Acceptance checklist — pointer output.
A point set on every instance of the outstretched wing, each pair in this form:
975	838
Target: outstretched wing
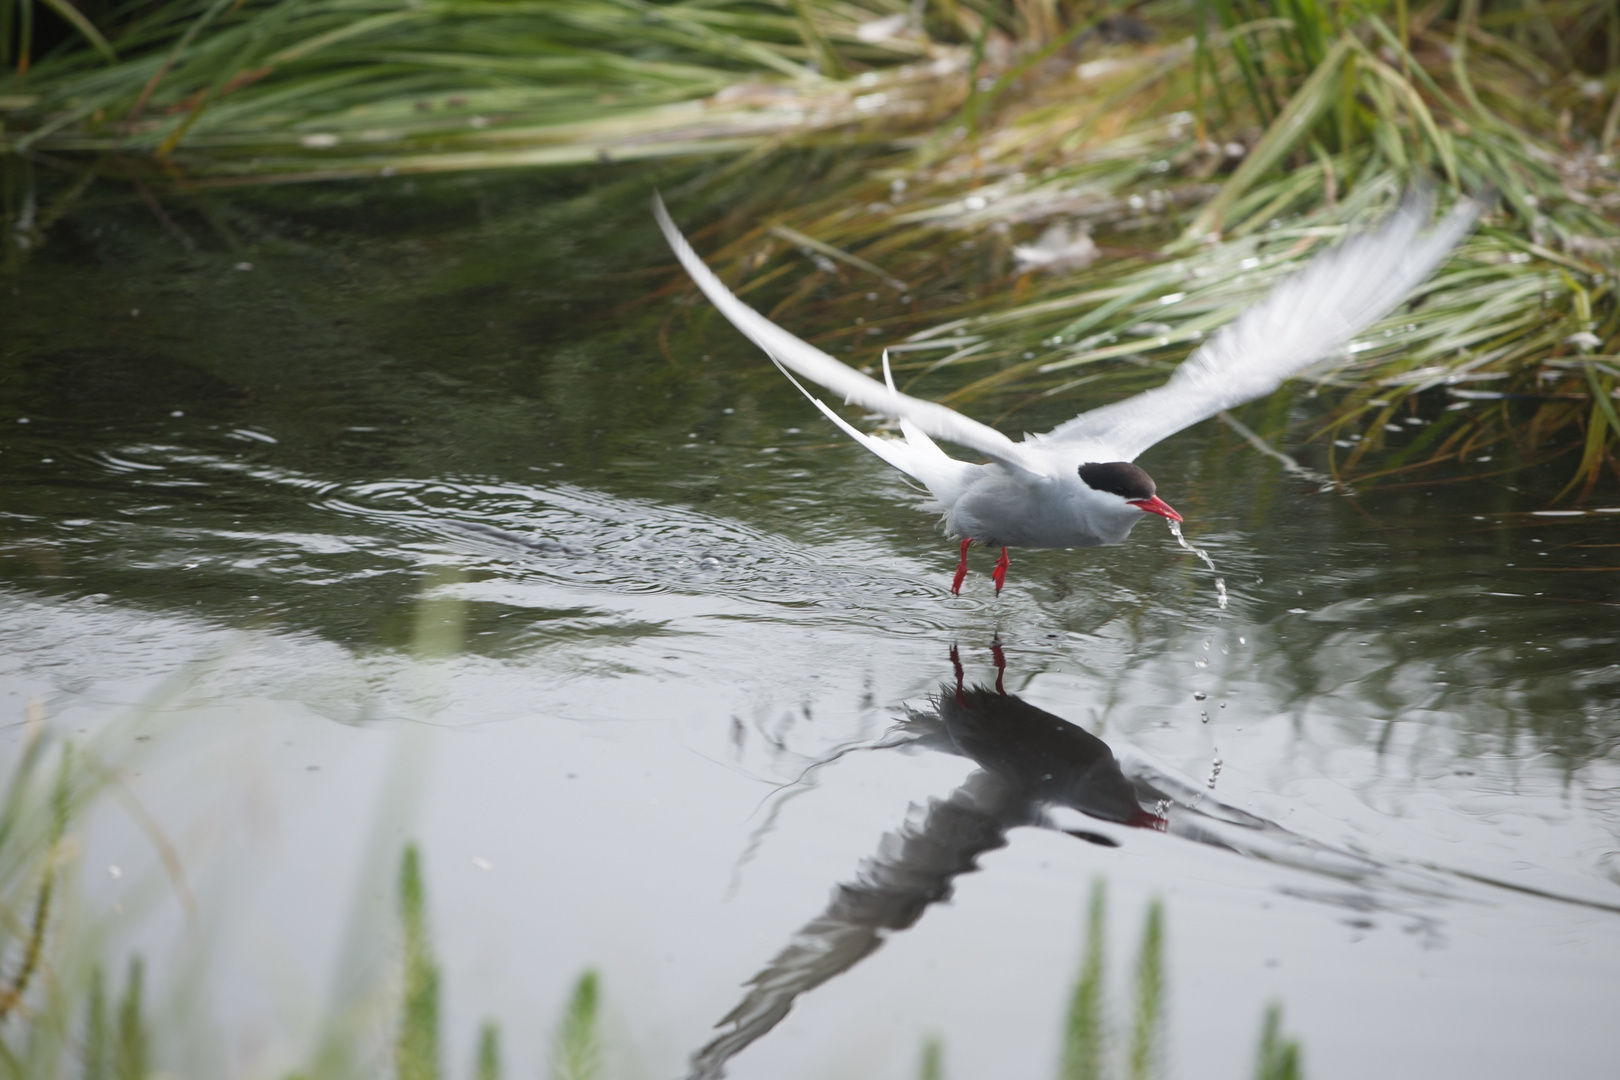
1307	317
800	356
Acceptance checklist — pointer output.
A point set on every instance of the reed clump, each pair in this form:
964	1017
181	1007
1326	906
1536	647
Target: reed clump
1060	242
326	88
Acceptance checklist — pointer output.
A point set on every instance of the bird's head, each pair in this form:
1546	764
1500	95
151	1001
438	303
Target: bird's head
1129	482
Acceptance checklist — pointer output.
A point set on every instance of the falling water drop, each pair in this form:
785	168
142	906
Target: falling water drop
1214	771
1200	696
1220	582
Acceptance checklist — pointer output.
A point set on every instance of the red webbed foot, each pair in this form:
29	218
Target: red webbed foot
961	567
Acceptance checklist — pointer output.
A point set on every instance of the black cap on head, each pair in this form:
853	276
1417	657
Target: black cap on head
1120	478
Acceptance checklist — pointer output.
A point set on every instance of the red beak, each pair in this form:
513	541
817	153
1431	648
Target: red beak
1156	505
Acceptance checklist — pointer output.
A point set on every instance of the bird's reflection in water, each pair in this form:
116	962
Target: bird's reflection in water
1030	762
1043	759
1033	768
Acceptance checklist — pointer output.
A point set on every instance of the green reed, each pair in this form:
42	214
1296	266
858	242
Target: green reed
1092	1048
576	1049
1095	1048
54	1012
416	1048
389	81
1212	165
1279	1058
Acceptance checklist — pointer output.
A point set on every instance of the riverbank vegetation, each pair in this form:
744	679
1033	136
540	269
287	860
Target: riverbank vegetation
1041	199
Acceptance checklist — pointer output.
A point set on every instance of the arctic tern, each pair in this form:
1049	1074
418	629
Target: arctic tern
1077	485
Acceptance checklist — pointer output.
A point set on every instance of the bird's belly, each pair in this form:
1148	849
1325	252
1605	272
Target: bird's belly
1015	519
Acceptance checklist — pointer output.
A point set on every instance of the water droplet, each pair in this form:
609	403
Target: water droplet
1201	662
1200	696
1220	582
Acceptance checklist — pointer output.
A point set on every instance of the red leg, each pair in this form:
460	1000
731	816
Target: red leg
961	567
1000	572
1001	665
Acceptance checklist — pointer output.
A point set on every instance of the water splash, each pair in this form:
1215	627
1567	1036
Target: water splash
1220	582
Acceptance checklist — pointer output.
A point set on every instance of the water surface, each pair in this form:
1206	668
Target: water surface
431	517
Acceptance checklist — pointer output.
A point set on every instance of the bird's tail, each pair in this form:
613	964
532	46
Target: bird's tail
916	455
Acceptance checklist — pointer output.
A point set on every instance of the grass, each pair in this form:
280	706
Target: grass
1207	161
1279	1057
1211	166
416	1048
576	1051
56	1019
53	998
350	87
1093	1048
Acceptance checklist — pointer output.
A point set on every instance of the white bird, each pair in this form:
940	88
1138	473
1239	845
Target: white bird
1076	485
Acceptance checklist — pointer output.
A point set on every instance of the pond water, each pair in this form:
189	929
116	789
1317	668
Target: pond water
410	511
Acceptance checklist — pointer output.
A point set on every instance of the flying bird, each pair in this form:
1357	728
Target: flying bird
1078	484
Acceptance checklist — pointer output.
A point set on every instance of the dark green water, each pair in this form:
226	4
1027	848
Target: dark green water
455	457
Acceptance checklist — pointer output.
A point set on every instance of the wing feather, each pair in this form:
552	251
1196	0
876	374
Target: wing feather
930	417
1304	319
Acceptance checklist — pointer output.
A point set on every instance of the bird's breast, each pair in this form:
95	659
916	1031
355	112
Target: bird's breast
1003	510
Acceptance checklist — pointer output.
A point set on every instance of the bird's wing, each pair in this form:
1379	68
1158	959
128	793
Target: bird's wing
1307	317
800	356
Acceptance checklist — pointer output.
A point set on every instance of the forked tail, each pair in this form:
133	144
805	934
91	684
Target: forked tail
916	455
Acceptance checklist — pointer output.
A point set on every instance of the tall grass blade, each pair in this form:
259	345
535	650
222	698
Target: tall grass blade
1279	1058
932	1064
416	1047
577	1047
75	18
1147	1034
14	988
1085	1031
488	1063
1296	119
826	56
94	1058
132	1052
